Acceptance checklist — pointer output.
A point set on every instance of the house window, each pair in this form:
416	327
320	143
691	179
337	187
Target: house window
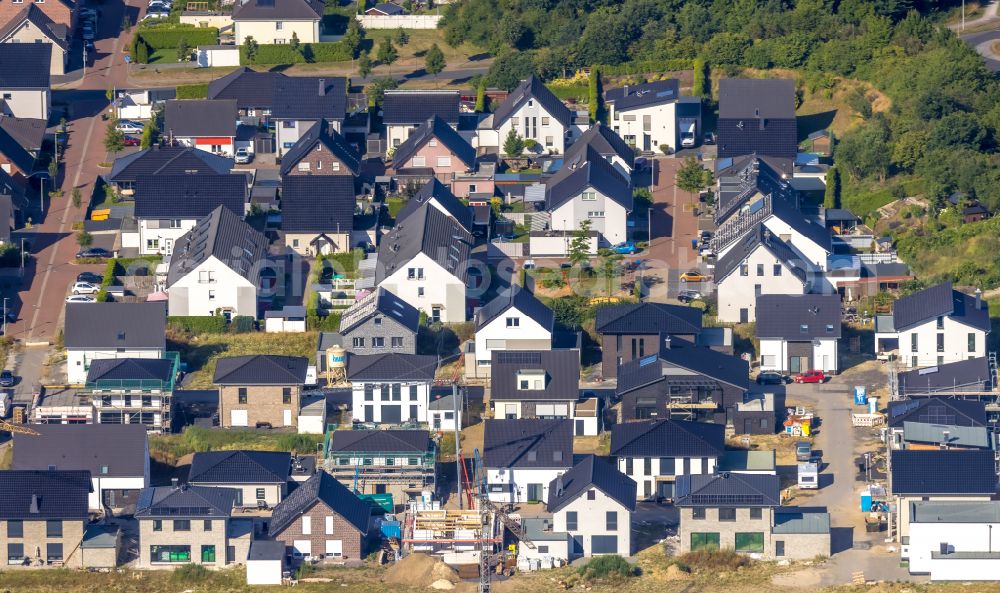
413	393
53	552
667	465
319	165
390	461
420	291
524	384
543	549
744	269
211	295
727	514
208	554
768	360
913	343
419	161
647	466
940	342
628	466
704	541
757	288
760	269
972	342
157	525
412	461
369	392
595	214
384	391
940	322
175	223
288	124
396	342
750	542
611	521
803	329
170	554
777	269
286	395
305	166
358	342
444	161
377	321
756	513
278	25
182	525
206	525
513	322
335	166
549	141
152	243
591	494
698	513
15	552
378	342
589	196
242	395
397	392
53	529
571	521
260	494
545	121
15	529
307	525
829	328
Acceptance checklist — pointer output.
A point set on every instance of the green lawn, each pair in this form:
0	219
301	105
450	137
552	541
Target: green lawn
163	56
201	352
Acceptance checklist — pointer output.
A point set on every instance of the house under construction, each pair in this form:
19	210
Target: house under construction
396	462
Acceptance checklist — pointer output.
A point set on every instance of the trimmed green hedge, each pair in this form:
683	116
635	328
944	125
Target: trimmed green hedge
162	37
215	324
192	91
307	53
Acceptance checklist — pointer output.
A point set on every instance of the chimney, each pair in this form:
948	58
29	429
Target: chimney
322	87
666	342
174	482
626	91
559	485
979	298
945	438
34	510
756	112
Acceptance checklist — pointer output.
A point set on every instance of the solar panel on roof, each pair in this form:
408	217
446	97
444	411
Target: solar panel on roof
727	499
648	360
519	358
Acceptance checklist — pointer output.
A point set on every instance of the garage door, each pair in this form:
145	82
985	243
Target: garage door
238	417
604	544
391	414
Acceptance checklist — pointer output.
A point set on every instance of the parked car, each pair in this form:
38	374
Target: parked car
6	378
93	252
803	451
772	378
89	13
529	264
626	247
130	127
243	156
810	377
131	141
89	277
709	138
687	296
156	15
80	298
87	32
693	277
85	288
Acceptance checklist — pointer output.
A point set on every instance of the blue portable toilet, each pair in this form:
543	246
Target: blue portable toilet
860	395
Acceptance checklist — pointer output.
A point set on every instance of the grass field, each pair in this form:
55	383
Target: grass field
201	352
168	448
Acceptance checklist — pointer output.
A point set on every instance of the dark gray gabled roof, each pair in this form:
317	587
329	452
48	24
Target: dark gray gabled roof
105	450
240	467
436	194
381	441
706	362
644	95
589	473
387	8
199	117
954	471
261	369
248	87
43	495
25	65
668	438
268	10
321	487
972	374
435	128
518	298
225	236
34	15
416	107
744	178
605	141
379	302
751	98
26	131
940	301
189	196
528	443
318	137
391	367
532	88
115	325
949	411
440	237
16	154
168	160
561	374
759	236
798	317
130	369
648	318
192	502
588	169
317	203
310	97
728	490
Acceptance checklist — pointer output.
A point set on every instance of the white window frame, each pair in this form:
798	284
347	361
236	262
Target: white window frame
419	161
444	161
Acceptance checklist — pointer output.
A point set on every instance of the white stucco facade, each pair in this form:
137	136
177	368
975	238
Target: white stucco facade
158	236
532	121
737	292
275	32
513	484
431	288
808	249
603	517
964	541
607	217
27	103
774	355
646	127
384	401
647	471
512	330
211	286
919	345
78	360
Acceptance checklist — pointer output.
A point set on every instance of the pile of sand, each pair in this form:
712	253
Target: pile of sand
419	570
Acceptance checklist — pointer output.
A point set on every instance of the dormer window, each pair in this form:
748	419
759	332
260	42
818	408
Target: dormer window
530	379
531	102
589	196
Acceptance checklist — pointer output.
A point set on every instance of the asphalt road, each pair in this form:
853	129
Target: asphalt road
982	43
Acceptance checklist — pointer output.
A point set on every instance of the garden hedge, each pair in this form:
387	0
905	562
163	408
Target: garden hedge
334	51
192	91
161	37
215	324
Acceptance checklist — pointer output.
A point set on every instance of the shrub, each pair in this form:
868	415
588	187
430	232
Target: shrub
714	560
169	37
300	443
609	566
192	91
243	324
215	324
308	52
190	573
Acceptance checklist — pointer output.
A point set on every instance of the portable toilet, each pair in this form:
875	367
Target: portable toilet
866	500
873	405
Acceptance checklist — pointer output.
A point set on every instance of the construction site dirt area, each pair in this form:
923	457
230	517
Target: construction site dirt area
419	570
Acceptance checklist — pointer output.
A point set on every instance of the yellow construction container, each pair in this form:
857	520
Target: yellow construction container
102	214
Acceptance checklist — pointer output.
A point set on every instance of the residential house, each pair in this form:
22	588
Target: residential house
393	461
683	382
608	145
63	14
798	332
95	331
321	151
43	514
933	327
969	208
588	187
653	114
592	504
303	102
260	478
953	540
940	475
533	112
404	111
523	457
219	267
971	376
167	161
317	213
538	384
742	512
425	262
116	457
323	519
182	524
28	132
253	91
654	453
15	160
277	21
141	103
168	206
433	150
757	116
24	78
514	320
390	388
208	124
436	195
32	25
263	389
133	390
444	413
926	419
380	323
630	331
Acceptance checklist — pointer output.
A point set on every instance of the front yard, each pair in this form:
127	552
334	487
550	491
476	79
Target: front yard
202	351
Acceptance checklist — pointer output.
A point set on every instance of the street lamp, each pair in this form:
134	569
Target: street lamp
5	299
22	255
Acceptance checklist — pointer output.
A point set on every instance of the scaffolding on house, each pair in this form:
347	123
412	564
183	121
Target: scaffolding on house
148	402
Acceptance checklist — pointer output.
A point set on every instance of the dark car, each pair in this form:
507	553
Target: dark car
771	378
93	252
89	277
6	378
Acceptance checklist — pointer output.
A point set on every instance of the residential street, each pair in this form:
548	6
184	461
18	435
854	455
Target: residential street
673	226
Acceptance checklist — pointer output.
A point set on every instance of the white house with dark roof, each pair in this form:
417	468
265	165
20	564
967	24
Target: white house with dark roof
602	140
523	457
533	112
757	116
588	187
953	541
259	477
437	195
403	111
133	391
514	320
208	124
216	267
390	388
652	114
301	102
112	330
443	412
798	333
276	21
540	384
934	326
165	160
317	213
25	79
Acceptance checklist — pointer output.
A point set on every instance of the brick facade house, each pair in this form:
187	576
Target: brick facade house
262	389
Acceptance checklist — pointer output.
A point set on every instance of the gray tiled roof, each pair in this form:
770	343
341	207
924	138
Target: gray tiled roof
249	87
195	502
405	107
437	194
16	154
26	131
391	367
199	117
798	317
115	325
309	97
41	495
168	160
668	438
25	65
105	450
379	302
272	10
728	490
226	236
321	487
648	318
562	374
937	301
240	467
925	472
317	203
751	97
435	128
954	436
591	472
432	233
381	441
189	196
261	369
531	88
521	299
528	443
706	362
644	95
118	369
588	169
972	374
605	141
322	134
955	412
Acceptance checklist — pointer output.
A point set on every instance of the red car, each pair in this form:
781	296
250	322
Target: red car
131	141
810	377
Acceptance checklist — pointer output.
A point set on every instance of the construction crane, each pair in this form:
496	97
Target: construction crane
18	428
487	512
